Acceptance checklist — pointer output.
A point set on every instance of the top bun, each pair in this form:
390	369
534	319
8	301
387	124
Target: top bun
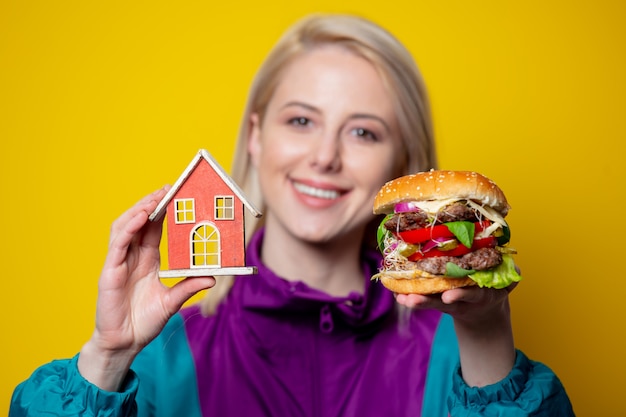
441	185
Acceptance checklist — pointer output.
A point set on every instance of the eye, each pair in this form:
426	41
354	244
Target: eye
299	121
364	134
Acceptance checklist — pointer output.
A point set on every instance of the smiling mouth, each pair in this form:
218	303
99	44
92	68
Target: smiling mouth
316	192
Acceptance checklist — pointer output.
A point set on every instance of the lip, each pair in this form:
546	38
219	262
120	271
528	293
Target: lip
316	193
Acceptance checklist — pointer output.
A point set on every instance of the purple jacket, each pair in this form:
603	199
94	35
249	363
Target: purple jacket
280	348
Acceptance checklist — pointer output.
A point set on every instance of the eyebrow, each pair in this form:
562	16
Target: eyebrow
353	116
300	104
372	117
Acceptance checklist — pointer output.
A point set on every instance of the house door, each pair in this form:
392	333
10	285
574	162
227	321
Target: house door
205	246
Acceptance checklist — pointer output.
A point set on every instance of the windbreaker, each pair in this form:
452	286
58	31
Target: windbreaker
280	348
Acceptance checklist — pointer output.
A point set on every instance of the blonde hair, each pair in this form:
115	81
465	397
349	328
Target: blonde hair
365	39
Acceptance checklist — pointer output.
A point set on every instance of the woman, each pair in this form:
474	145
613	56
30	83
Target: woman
337	109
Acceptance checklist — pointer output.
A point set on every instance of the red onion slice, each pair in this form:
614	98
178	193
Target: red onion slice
405	207
434	243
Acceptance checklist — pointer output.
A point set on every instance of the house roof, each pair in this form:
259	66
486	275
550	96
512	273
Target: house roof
202	154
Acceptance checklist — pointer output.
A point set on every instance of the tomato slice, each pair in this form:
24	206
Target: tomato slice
487	242
434	232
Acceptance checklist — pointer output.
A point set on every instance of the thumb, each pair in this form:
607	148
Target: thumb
184	290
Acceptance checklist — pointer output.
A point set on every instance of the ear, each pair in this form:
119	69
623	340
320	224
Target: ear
254	139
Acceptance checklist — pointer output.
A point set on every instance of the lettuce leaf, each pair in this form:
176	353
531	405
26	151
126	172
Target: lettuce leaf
499	277
382	232
455	271
463	231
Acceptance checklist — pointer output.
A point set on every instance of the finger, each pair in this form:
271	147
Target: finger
184	290
121	241
417	300
147	204
128	218
511	287
459	294
127	229
154	230
153	233
473	295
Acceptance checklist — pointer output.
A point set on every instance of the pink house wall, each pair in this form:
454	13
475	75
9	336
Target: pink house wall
202	185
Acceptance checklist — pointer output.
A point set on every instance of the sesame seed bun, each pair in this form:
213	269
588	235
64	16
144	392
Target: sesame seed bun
441	185
424	286
415	281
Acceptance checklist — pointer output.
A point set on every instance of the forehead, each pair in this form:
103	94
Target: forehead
335	75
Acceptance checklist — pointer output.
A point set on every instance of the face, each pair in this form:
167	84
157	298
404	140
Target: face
327	143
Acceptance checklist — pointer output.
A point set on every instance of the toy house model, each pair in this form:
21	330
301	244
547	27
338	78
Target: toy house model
205	222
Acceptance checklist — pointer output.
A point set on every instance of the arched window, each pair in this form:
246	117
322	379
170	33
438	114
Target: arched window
205	246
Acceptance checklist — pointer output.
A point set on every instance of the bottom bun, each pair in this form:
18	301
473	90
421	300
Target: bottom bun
424	286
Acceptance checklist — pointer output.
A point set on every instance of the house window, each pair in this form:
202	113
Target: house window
184	209
224	208
205	246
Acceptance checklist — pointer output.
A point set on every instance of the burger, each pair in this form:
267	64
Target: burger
443	230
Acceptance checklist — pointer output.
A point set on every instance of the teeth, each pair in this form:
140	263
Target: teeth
316	192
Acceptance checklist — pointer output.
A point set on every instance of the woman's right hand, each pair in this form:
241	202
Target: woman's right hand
133	304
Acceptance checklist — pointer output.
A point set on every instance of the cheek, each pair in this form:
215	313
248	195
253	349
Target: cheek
395	163
378	168
263	151
283	150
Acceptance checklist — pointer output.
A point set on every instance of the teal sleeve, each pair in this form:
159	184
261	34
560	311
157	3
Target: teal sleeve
444	359
58	389
530	389
167	375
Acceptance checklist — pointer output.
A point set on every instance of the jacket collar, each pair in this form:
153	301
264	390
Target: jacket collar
268	291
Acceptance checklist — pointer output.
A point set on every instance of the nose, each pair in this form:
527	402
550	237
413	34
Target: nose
326	156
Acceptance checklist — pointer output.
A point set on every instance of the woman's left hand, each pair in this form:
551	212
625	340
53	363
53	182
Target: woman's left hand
482	322
468	304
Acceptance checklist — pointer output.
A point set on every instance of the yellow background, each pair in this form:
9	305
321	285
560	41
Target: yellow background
103	102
